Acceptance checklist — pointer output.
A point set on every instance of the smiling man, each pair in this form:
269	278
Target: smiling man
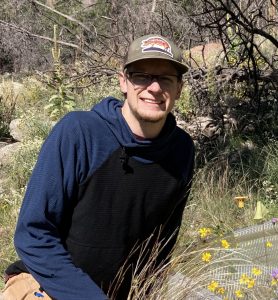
152	79
106	181
150	97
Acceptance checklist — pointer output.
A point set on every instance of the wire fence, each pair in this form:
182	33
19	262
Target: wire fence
256	248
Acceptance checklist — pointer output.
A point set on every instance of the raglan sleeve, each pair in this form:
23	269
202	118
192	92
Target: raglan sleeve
51	188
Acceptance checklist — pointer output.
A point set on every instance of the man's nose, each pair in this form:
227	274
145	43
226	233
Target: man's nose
154	86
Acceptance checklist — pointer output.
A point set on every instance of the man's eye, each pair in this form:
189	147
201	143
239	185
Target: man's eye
166	79
140	77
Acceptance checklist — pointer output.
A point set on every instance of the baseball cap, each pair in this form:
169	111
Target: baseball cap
155	46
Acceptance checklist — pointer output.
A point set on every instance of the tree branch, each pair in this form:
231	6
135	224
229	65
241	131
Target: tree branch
72	19
20	29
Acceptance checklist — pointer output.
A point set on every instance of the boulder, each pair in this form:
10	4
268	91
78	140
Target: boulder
16	131
3	144
206	55
6	153
205	126
11	89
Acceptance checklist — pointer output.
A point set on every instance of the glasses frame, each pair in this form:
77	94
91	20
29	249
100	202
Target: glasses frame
149	78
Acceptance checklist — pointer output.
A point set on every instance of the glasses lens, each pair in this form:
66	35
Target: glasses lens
166	80
140	78
145	79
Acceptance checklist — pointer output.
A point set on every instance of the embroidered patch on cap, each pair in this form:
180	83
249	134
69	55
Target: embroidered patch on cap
156	44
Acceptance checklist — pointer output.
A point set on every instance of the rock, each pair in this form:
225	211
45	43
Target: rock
181	124
206	55
11	88
7	152
3	144
203	125
15	131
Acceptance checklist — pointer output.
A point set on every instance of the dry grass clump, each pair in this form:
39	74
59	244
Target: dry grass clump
9	208
209	269
216	187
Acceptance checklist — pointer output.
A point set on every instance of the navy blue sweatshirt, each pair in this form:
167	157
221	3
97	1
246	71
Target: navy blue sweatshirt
96	192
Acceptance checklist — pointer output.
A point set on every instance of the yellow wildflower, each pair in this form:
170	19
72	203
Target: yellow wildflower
213	286
206	257
220	291
274	281
268	244
225	244
239	294
256	271
244	279
204	232
251	283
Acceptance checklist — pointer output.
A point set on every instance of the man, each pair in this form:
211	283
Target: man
105	182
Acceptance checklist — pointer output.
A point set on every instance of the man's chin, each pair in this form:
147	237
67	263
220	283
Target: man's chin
152	117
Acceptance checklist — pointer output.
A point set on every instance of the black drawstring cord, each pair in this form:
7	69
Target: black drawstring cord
124	160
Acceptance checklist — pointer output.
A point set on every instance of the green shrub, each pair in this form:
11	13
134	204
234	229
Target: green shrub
96	91
35	94
34	125
184	105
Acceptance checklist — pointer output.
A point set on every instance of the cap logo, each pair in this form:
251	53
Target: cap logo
156	44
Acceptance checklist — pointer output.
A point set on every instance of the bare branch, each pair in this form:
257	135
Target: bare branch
17	28
70	18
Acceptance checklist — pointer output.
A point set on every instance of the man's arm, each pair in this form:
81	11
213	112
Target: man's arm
51	189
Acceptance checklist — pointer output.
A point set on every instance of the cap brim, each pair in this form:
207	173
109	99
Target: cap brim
180	67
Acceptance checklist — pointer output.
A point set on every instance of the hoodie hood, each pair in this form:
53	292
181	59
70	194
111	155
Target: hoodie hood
109	109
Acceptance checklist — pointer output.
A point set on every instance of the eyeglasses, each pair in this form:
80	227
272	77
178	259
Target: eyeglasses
144	79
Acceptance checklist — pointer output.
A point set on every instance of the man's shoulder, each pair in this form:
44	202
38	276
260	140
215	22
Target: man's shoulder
80	118
184	146
78	124
184	136
79	115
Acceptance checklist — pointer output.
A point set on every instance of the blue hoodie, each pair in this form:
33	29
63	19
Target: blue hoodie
95	192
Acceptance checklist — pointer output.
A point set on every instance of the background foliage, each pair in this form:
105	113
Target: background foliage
229	103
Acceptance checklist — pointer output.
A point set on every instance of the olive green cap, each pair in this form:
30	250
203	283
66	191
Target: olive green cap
157	47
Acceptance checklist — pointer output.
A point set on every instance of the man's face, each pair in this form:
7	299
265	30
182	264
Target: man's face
150	98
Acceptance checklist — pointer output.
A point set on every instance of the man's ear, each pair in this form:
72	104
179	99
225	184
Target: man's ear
123	82
179	89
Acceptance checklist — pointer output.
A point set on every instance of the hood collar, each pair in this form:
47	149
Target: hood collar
110	110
